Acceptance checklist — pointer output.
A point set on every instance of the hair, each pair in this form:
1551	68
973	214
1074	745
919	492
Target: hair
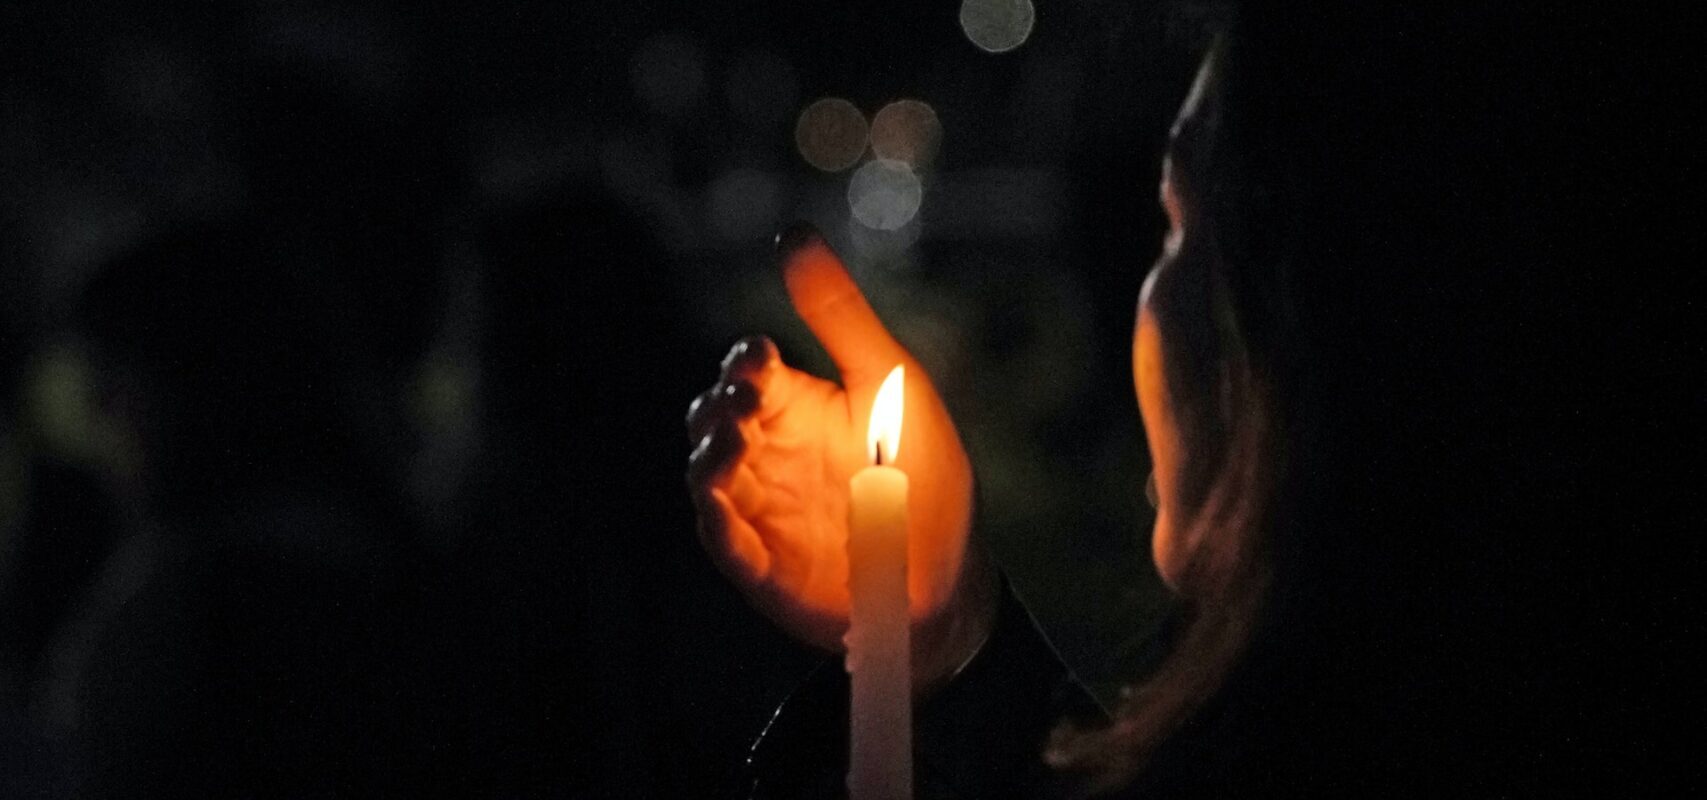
1361	408
1229	573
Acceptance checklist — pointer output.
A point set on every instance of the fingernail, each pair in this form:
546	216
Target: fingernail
735	353
743	395
796	236
751	352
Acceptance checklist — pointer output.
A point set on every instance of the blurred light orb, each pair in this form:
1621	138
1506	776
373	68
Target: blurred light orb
997	26
885	194
669	75
906	130
831	134
889	248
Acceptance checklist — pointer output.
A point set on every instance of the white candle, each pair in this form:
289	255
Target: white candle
880	755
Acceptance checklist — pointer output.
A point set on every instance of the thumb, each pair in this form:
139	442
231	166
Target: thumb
832	306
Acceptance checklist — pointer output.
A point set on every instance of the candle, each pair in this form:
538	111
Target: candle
880	753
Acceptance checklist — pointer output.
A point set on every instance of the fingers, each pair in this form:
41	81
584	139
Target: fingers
724	401
749	356
725	491
731	542
832	305
718	463
713	460
747	370
716	478
755	361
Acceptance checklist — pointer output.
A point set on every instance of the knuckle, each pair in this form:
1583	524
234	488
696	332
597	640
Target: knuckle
727	442
749	353
737	352
742	395
715	453
703	409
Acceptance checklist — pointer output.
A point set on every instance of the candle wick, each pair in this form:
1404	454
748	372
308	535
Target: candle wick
880	452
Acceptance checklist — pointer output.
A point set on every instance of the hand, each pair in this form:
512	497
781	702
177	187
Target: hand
776	448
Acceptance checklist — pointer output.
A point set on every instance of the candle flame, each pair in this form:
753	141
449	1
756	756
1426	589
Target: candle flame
885	429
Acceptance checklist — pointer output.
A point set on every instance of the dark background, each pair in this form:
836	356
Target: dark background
517	239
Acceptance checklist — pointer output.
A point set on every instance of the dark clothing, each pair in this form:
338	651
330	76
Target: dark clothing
981	736
1303	716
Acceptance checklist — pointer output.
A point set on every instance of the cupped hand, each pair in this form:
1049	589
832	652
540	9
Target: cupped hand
775	448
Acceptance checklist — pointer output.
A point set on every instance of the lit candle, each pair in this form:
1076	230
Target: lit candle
880	755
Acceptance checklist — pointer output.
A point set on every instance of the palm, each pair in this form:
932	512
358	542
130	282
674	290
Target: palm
801	459
777	448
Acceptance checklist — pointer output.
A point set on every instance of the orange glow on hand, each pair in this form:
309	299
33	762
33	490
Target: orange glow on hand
772	480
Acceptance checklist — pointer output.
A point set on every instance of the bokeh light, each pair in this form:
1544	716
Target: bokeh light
906	130
884	194
890	248
831	134
997	26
